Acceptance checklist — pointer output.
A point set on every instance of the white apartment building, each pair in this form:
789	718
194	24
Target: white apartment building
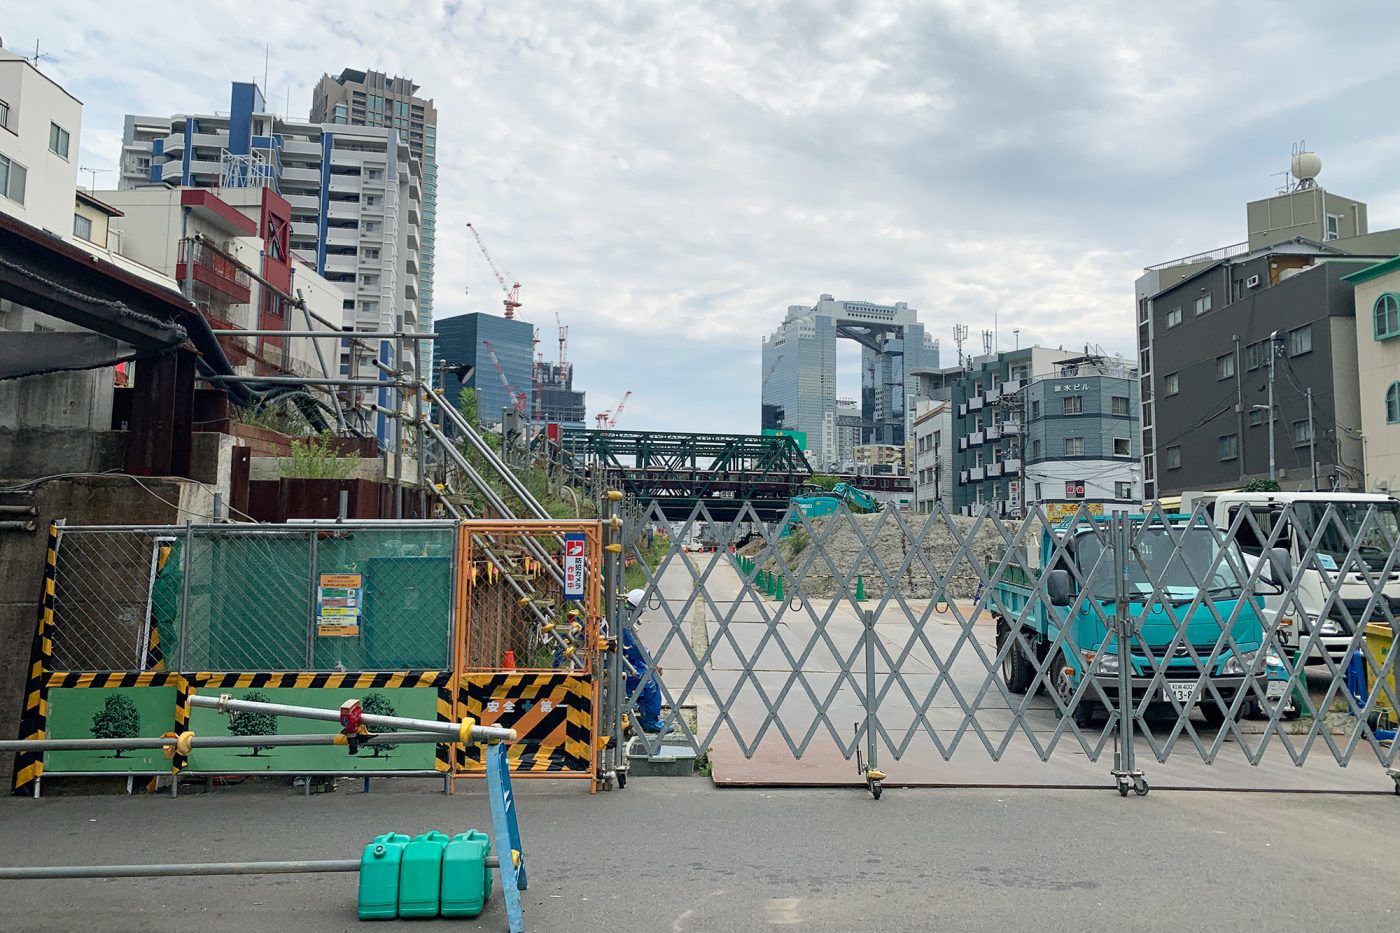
932	473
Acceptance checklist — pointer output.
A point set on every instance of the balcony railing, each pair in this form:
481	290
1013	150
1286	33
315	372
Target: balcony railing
200	262
975	438
974	403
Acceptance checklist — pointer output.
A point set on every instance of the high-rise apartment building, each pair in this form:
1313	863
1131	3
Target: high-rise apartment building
799	372
355	193
371	98
1209	325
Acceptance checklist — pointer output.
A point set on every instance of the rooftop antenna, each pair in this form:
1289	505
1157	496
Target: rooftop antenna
986	342
267	54
1017	332
38	55
94	172
959	335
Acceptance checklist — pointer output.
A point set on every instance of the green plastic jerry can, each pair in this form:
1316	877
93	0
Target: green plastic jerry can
466	881
379	877
420	877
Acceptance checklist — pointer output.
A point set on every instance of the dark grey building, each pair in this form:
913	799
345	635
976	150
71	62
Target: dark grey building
1211	374
1206	327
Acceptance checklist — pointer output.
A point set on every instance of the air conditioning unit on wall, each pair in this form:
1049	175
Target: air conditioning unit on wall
1252	282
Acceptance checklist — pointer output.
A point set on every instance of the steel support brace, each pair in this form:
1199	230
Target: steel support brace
1125	771
870	767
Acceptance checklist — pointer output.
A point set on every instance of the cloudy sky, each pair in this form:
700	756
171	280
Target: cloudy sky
668	178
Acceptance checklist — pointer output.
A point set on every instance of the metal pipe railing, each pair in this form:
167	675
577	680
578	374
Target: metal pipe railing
228	704
191	869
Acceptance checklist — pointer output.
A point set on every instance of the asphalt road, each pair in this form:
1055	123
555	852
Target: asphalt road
677	854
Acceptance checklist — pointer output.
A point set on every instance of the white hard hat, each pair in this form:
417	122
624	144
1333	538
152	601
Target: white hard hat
634	598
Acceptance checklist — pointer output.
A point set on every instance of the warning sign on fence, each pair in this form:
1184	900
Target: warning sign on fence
338	602
573	566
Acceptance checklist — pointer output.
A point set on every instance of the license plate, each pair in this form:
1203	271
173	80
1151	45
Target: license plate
1276	689
1182	692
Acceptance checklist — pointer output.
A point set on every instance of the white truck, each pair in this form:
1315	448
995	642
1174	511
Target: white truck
1316	577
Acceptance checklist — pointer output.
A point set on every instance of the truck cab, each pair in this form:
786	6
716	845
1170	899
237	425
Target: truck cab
1162	580
1302	514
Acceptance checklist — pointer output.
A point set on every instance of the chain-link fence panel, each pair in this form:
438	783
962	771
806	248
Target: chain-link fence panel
115	598
322	597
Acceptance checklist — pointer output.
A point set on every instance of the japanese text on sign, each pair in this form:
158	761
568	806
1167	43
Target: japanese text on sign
338	601
573	566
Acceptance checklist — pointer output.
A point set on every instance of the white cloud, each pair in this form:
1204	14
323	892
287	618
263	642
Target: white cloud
669	178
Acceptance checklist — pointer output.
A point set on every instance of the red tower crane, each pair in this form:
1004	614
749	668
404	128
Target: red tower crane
518	399
608	419
512	292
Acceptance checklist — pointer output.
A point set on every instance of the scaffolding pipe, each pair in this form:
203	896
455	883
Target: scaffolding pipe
227	704
300	380
219	741
323	334
42	872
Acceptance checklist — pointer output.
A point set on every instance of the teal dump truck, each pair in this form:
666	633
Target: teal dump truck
1176	570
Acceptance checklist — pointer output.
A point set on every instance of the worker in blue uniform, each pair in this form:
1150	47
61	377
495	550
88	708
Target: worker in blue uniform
649	700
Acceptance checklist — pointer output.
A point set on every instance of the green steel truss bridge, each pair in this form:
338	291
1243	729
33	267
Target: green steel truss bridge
680	471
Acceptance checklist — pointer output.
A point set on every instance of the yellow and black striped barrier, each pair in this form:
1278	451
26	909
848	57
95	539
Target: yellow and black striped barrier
551	712
30	765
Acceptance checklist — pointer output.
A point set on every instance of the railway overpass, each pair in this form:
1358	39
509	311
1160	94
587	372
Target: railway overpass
679	471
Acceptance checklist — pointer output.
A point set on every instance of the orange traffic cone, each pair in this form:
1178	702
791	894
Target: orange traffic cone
508	662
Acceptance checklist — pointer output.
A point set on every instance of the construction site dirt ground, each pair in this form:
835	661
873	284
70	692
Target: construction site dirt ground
746	644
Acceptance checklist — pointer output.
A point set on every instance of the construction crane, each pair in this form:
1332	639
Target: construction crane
517	398
608	419
512	292
563	342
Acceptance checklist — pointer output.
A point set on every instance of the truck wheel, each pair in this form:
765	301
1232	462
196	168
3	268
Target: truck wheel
1215	713
1016	669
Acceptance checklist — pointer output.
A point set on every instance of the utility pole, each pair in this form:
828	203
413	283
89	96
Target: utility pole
1312	442
1273	355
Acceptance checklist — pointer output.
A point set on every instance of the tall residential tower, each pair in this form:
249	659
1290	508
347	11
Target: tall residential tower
371	98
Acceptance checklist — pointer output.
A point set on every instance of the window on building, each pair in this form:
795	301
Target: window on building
1392	404
1300	340
1074	404
1119	405
937	439
1203	304
1074	489
1302	433
1385	316
369	279
1173	317
82	227
1253	355
369	307
58	140
1122	490
372	200
1173	458
1074	447
1334	227
1035	410
1225	366
12	179
369	252
1173	383
1227	446
1256	418
371	226
4	114
1121	447
1035	449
